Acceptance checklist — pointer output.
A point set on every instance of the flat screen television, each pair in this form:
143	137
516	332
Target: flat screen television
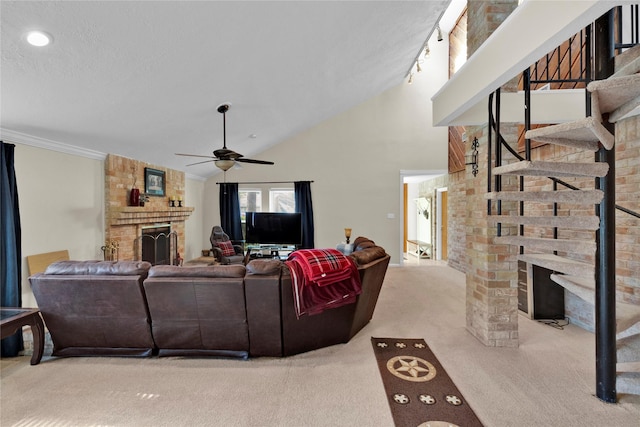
270	228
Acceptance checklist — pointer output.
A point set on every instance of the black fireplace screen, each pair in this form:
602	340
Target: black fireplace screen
157	245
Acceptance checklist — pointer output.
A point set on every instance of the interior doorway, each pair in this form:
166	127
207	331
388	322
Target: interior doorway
419	231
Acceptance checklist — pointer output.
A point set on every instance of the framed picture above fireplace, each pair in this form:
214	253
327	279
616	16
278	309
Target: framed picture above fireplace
154	182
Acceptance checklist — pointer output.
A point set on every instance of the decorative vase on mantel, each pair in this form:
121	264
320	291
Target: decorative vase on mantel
134	197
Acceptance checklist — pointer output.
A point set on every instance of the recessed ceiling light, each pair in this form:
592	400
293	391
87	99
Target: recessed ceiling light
38	38
253	136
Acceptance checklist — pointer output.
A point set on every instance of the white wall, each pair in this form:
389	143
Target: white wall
193	228
412	211
61	200
355	160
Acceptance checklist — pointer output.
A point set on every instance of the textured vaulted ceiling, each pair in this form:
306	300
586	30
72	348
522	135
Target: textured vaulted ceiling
142	79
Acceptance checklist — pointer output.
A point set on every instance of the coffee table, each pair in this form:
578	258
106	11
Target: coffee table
13	318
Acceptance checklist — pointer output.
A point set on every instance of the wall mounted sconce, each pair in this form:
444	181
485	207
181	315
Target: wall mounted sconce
472	159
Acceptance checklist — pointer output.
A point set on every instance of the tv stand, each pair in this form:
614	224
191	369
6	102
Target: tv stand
269	251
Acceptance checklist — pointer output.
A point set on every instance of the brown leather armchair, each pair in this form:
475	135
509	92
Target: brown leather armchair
219	239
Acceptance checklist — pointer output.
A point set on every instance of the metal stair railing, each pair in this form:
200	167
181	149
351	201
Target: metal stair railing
608	40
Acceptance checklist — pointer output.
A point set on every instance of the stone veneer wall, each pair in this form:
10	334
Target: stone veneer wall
628	196
123	223
456	230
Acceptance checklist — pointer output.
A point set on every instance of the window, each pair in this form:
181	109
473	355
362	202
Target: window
250	201
282	200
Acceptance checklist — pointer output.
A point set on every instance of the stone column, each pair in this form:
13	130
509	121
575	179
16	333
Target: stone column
491	277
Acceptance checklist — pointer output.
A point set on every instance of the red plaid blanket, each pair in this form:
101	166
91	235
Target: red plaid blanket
322	279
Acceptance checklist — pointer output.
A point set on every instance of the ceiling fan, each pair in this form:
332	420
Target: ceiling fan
223	157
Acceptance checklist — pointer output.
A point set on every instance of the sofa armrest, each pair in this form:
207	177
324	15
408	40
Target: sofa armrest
371	276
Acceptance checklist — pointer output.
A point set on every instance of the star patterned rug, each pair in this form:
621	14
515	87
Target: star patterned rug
419	391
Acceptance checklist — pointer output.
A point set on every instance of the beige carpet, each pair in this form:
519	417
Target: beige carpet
548	381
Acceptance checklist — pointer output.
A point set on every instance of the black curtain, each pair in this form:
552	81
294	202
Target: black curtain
304	205
230	210
10	245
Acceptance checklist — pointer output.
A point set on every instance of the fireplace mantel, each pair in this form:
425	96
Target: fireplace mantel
140	215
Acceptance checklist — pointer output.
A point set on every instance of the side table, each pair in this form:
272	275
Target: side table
13	318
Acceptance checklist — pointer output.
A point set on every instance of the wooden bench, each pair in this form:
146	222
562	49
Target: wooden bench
419	248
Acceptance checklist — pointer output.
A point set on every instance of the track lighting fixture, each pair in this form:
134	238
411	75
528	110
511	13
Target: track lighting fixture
427	52
439	33
418	67
410	78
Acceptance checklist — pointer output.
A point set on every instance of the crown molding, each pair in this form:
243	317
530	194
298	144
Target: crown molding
9	135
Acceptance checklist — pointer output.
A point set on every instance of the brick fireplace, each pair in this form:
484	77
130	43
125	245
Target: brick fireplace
123	223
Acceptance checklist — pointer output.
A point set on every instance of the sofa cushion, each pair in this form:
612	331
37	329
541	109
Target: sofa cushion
112	268
227	248
365	256
198	271
264	266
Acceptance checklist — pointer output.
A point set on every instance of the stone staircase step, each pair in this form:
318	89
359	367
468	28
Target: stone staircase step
583	287
584	134
574	222
582	197
553	169
540	244
627	315
628	382
560	264
616	95
631	67
628	349
628	319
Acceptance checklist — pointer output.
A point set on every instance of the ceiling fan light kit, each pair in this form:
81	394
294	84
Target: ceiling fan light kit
224	158
225	165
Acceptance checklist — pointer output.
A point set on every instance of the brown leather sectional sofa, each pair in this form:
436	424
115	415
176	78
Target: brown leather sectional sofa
128	308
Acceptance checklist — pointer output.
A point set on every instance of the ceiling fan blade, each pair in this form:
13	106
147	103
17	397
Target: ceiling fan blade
198	163
226	154
194	155
260	162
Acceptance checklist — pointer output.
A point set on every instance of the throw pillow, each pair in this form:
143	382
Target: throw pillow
227	248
